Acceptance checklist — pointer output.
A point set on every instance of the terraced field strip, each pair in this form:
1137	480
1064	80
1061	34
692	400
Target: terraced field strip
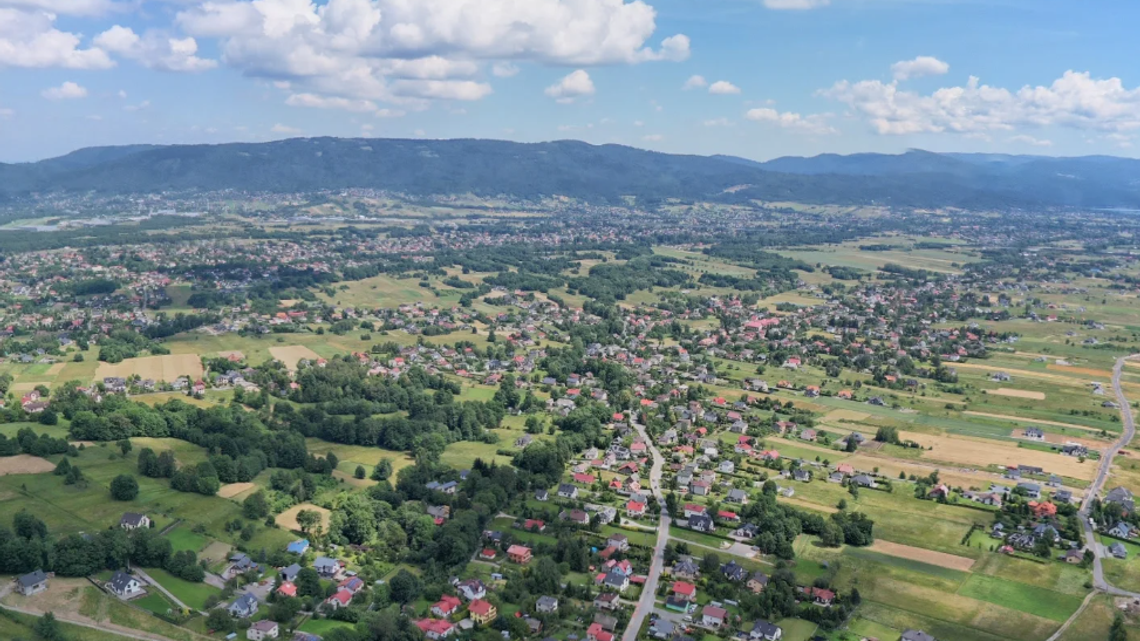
941	559
1022	419
1018	393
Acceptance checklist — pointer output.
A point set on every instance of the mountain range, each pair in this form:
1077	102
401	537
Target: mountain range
596	173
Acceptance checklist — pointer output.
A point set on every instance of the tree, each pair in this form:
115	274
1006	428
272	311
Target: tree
125	446
359	473
308	583
405	587
255	506
124	488
220	620
47	628
1117	632
48	417
28	526
382	470
307	519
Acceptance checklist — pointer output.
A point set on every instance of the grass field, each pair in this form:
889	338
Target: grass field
181	538
160	368
322	626
293	354
1021	597
192	594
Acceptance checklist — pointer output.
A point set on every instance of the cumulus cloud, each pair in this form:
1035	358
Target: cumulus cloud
653	138
695	82
919	67
812	124
505	69
574	85
67	91
137	107
285	129
723	88
154	50
325	102
66	7
6	113
1030	140
718	122
385	50
30	39
798	5
1075	100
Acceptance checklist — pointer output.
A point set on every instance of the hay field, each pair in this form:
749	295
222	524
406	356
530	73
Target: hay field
1035	421
293	354
24	464
288	518
1085	371
230	490
1017	393
979	452
941	559
160	368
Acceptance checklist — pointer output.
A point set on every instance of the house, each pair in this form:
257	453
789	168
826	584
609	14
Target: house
299	546
575	516
701	523
635	509
863	480
740	497
264	629
488	554
757	582
446	606
733	571
244	606
546	604
1073	556
287	589
1123	497
662	628
339	599
472	589
240	563
1063	496
1031	490
1044	509
686	568
684	591
124	585
596	633
802	476
482	612
353	584
567	491
1034	434
916	635
765	631
619	542
435	629
542	495
712	616
32	583
616	580
692	509
606	601
290	573
519	554
326	567
1118	550
1122	530
820	596
133	521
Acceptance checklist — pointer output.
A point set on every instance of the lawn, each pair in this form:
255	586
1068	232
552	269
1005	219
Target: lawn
155	602
1020	596
322	626
192	594
182	538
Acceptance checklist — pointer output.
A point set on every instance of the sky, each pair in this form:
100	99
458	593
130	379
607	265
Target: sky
752	78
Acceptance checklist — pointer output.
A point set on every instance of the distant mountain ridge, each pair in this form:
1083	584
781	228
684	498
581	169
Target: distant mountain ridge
596	173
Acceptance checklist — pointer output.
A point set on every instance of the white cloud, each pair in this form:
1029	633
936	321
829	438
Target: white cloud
1030	140
67	91
1120	140
638	123
718	122
29	39
122	94
504	69
653	138
154	50
326	102
375	49
1075	100
723	88
797	5
139	107
66	7
6	113
919	67
575	84
285	129
695	82
812	124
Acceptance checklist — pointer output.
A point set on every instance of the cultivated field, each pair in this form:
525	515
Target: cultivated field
160	368
288	518
24	464
230	490
293	354
940	559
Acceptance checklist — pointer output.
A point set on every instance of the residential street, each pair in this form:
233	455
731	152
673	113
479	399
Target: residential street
648	592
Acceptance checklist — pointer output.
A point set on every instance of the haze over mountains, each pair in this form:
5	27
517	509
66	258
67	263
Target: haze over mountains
604	173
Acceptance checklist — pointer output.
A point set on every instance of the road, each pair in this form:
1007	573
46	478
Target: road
1100	584
649	591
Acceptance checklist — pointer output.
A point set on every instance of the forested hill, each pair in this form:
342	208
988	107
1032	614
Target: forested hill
603	173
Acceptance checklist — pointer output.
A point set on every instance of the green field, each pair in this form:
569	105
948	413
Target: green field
1020	596
192	594
181	538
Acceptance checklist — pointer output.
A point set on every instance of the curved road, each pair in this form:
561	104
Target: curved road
649	591
1100	584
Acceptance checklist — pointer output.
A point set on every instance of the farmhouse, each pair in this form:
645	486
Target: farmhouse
244	606
32	583
764	631
133	521
124	585
264	629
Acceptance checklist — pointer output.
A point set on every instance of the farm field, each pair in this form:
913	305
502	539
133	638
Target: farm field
159	368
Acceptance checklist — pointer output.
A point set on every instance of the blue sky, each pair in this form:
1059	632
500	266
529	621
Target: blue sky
755	78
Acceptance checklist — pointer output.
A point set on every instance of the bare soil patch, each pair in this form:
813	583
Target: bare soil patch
288	518
292	354
24	464
1018	393
978	452
941	559
230	490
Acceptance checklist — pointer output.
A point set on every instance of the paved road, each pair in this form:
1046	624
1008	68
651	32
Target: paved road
1100	584
649	591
